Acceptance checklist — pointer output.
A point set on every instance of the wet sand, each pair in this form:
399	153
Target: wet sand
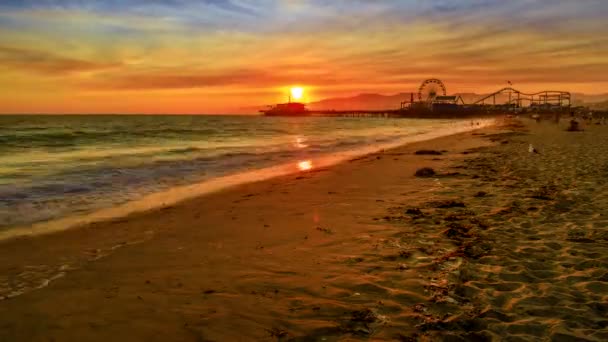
500	243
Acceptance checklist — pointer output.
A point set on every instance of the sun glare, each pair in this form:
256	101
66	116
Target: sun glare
305	165
297	93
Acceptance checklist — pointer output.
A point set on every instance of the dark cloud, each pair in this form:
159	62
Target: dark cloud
118	5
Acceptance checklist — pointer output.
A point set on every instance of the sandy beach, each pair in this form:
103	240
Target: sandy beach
499	244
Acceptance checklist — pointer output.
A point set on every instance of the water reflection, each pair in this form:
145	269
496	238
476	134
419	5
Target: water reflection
305	165
300	143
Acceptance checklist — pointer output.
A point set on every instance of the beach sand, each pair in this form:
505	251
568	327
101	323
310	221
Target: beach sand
499	244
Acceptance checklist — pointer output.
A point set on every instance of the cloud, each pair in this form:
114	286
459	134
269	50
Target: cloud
216	47
46	63
190	79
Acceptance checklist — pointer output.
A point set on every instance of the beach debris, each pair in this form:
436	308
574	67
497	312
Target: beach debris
450	174
425	172
480	223
531	149
451	300
458	231
420	308
454	217
428	153
481	194
405	254
365	315
277	333
360	322
469	322
447	204
395	257
476	250
578	235
414	212
209	292
545	193
325	230
354	260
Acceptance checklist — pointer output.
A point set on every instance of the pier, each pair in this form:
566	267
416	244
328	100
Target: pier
433	101
358	113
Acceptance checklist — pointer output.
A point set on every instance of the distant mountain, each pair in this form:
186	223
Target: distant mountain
362	102
580	99
599	105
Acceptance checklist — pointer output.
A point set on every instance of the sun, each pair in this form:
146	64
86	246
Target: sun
297	93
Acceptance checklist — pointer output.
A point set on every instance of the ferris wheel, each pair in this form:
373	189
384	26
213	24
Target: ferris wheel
431	88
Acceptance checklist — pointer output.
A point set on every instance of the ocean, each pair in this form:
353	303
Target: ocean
58	166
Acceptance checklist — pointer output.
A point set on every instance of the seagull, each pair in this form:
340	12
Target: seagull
531	149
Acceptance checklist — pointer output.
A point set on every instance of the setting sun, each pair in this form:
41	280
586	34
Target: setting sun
297	93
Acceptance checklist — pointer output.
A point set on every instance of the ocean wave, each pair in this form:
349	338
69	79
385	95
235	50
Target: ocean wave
83	164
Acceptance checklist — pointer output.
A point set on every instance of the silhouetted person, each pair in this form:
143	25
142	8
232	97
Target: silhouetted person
574	127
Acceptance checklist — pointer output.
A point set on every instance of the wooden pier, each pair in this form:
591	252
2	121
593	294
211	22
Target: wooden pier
387	113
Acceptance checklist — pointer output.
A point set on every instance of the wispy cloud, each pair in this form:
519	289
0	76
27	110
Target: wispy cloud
47	63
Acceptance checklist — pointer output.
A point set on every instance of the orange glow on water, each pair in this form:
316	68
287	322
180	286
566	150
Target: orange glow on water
300	143
305	165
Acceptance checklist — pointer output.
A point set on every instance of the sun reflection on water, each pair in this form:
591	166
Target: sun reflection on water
305	165
300	143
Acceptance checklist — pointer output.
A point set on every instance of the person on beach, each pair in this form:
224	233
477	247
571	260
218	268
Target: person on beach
574	127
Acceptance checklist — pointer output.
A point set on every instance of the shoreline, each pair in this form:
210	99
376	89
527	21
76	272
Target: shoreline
243	258
175	195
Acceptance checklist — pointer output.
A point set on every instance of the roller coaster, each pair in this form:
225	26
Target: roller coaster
545	98
432	93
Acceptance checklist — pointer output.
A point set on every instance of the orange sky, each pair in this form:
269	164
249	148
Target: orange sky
219	56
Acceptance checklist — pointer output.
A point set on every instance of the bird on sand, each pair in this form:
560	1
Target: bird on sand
531	149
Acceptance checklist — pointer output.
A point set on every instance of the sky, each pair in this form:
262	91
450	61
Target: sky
221	56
